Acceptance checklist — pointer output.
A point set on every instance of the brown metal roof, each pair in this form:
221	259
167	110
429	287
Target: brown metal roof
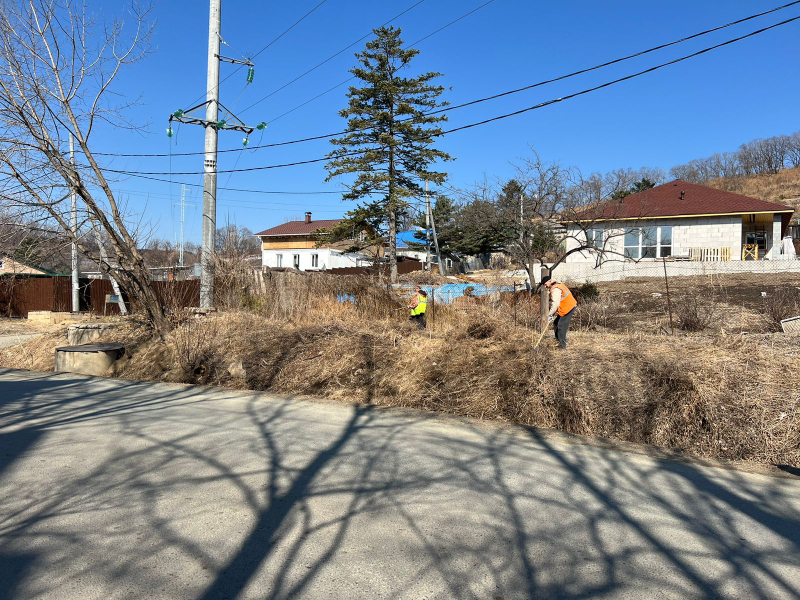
681	198
300	227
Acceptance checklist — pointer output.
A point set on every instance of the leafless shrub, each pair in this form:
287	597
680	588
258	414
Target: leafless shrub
782	303
695	311
592	315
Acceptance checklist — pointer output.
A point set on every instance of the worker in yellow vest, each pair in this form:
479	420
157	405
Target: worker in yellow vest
418	307
562	307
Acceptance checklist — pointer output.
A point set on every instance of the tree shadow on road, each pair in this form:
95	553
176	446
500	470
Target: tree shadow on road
229	495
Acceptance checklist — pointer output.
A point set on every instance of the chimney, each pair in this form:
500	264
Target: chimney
308	217
683	195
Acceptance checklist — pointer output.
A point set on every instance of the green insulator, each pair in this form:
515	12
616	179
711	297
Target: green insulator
178	113
170	133
246	142
250	74
221	124
261	126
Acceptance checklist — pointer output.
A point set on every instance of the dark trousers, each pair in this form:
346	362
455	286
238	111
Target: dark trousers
419	319
560	326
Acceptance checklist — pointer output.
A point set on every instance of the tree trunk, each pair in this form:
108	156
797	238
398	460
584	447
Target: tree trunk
392	215
393	246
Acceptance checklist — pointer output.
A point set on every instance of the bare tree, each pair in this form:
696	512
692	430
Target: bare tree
547	213
58	68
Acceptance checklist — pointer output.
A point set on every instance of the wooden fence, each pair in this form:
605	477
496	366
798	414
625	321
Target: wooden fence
403	267
172	294
20	294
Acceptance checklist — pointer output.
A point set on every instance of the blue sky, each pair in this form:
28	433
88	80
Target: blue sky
693	109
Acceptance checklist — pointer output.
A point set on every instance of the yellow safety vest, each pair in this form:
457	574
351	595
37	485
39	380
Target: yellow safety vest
421	307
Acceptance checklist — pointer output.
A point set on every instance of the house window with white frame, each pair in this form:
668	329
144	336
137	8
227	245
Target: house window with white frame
296	261
315	261
279	260
648	242
595	237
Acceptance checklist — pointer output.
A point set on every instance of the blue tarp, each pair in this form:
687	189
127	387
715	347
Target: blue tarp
404	237
446	293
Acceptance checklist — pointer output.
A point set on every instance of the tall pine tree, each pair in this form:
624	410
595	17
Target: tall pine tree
388	140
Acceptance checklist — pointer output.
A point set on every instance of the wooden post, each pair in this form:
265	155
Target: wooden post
544	302
669	301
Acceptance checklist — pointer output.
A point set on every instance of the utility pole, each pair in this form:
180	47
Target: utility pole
212	124
76	282
435	237
210	159
183	217
521	221
427	229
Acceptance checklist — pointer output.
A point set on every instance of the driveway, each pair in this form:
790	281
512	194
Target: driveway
118	489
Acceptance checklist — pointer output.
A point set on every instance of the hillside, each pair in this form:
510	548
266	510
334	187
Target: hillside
782	187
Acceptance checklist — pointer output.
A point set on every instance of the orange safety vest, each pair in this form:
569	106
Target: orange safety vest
567	299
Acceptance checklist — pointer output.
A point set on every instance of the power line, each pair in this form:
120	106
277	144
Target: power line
453	22
471	102
506	115
285	31
318	65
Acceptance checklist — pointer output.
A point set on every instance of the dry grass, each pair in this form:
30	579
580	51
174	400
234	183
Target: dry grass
782	187
721	396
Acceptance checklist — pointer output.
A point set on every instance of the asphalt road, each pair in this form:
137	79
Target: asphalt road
114	489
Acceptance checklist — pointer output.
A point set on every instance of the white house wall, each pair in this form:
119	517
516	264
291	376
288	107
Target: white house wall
699	232
327	258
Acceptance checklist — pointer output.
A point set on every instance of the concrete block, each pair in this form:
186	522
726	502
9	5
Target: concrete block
85	333
87	359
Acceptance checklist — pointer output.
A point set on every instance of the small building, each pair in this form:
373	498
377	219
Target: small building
295	244
681	220
13	266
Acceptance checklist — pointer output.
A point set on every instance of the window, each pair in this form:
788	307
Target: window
279	260
315	261
595	237
648	242
665	241
296	261
632	244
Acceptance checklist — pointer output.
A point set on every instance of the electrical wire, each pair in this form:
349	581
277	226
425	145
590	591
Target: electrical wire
503	116
238	68
318	65
453	22
471	102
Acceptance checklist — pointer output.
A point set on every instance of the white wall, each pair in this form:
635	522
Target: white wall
617	270
327	258
699	232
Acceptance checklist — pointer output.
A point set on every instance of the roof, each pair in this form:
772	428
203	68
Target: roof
299	227
681	199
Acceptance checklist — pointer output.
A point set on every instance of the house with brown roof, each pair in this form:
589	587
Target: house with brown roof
294	245
681	220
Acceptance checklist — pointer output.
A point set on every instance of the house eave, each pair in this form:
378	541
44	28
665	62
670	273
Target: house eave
646	218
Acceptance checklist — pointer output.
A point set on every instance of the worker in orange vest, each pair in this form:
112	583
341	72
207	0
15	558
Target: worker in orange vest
562	307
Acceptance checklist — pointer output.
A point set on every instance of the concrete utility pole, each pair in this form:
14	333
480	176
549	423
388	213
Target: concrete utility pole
427	229
435	237
210	159
183	217
76	281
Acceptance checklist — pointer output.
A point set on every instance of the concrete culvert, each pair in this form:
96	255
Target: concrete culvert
88	359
